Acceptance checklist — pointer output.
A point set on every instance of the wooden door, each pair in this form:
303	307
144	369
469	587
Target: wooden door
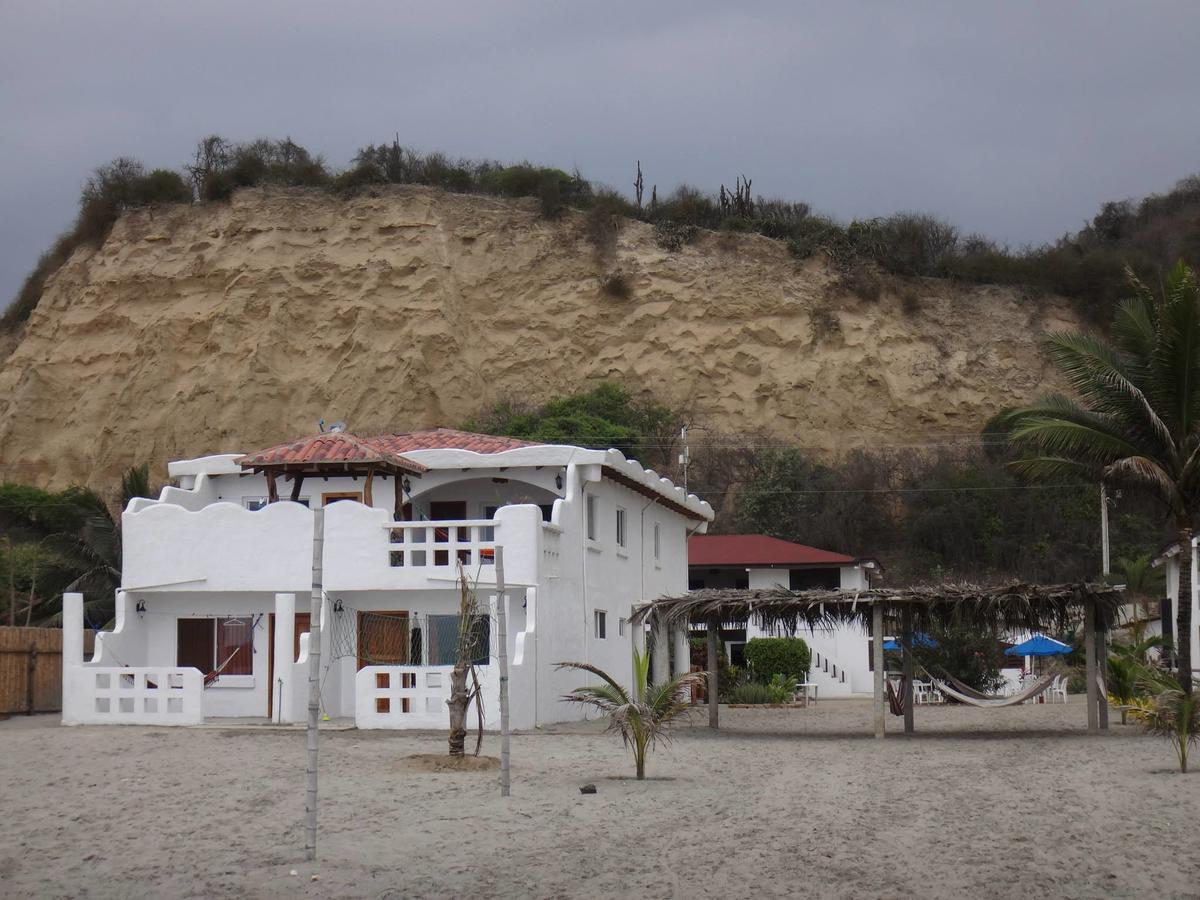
196	644
302	622
448	510
383	638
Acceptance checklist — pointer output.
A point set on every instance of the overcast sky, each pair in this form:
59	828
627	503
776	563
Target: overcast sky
1015	119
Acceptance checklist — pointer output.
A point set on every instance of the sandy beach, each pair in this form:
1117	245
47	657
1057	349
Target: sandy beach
1014	802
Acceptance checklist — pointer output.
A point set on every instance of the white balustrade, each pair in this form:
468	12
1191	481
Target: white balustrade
402	697
143	695
442	544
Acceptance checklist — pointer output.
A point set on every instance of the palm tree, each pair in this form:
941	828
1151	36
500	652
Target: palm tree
1172	712
1137	419
83	535
644	718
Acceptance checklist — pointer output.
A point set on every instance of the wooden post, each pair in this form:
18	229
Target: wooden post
314	684
714	635
1102	674
297	480
502	659
1089	643
30	675
398	505
906	628
367	494
877	652
272	488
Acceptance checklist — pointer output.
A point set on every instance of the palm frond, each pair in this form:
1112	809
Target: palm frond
1094	368
594	670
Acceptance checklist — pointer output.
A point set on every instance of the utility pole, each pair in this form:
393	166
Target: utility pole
685	457
314	684
502	659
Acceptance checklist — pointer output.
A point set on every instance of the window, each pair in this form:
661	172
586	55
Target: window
443	640
600	618
620	528
339	496
591	517
657	543
256	503
226	644
806	579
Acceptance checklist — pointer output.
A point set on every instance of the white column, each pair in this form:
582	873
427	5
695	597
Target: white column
683	650
662	654
72	628
285	636
72	657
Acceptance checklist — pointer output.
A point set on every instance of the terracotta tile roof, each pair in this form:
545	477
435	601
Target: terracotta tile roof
448	439
331	448
757	550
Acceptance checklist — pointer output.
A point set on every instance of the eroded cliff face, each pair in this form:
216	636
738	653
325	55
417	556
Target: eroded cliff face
228	327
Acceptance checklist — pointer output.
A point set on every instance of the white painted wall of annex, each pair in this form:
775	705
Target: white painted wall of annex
845	644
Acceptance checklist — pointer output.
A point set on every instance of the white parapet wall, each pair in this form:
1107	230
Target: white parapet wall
415	697
94	695
221	547
122	695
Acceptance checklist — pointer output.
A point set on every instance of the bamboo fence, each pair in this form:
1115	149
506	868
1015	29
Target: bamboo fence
31	669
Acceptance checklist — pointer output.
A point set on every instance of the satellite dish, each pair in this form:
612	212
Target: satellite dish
337	427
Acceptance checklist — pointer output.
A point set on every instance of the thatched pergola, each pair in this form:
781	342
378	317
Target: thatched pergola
1009	607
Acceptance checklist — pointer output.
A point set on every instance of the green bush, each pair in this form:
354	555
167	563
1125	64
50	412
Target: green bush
787	656
752	692
780	689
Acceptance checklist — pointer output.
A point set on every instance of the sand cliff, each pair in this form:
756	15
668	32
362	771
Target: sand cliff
228	326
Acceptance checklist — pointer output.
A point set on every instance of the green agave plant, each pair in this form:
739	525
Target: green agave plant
642	717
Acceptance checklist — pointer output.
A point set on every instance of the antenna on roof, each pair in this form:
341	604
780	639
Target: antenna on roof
321	426
337	427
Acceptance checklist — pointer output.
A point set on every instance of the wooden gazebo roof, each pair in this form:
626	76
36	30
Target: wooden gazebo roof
327	454
1014	606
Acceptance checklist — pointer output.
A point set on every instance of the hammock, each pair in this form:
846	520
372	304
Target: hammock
210	678
895	697
1020	697
963	688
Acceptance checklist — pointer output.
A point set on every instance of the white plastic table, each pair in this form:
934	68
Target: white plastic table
809	690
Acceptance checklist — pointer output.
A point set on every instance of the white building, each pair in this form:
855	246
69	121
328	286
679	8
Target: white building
841	654
212	616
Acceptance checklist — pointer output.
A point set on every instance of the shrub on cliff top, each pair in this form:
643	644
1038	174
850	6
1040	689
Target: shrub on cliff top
122	184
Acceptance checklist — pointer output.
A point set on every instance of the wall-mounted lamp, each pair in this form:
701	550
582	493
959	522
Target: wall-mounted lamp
407	485
558	481
141	607
337	605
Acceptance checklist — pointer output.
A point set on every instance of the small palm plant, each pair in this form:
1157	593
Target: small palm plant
642	717
1171	712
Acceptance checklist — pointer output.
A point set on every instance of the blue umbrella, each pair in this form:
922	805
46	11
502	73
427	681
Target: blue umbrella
1039	645
920	639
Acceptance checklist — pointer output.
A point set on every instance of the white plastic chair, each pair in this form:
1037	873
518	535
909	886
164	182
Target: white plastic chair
1059	689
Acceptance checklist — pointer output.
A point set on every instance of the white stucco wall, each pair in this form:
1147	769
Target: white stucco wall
845	645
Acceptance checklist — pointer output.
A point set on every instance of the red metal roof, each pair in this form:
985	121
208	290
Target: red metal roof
757	550
332	448
448	439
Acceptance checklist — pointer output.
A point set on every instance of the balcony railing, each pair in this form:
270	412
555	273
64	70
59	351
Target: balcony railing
442	544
